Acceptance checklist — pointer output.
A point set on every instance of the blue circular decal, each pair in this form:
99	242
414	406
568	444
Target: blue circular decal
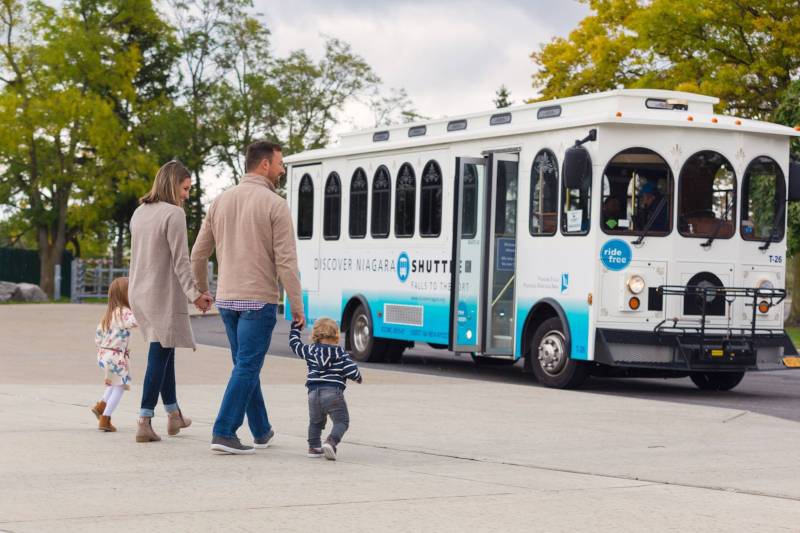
403	267
616	254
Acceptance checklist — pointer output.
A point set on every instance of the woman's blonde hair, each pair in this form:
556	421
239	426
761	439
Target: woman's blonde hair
324	329
167	185
117	299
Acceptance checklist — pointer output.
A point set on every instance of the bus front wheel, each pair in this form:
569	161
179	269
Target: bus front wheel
361	342
721	381
550	358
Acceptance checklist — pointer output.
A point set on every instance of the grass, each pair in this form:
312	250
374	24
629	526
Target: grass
794	334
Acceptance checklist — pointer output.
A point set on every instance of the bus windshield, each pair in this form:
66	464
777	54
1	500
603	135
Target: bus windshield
636	183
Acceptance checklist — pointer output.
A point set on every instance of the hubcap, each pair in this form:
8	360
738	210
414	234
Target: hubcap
361	333
552	353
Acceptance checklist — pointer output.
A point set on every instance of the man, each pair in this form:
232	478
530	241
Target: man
649	199
251	228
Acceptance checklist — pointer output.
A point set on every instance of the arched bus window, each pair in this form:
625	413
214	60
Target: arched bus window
381	203
358	204
576	205
763	193
305	208
707	196
405	200
430	205
332	211
637	193
544	194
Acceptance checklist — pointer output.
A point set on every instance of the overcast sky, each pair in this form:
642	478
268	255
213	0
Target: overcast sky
449	55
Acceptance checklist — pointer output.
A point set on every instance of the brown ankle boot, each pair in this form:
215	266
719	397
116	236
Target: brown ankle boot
145	433
98	409
176	422
105	424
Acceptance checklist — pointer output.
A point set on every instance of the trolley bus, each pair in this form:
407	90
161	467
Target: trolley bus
624	233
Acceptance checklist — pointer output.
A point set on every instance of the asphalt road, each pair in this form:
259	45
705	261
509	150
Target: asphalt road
770	393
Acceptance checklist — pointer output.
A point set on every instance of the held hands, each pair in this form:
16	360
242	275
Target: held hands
107	382
203	303
298	320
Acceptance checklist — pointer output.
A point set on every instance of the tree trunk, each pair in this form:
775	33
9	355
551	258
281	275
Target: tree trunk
49	256
119	246
794	292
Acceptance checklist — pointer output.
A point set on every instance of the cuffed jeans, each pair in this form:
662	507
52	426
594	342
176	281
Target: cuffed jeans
249	334
159	379
324	402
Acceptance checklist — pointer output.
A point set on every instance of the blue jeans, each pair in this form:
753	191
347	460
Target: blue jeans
159	379
249	334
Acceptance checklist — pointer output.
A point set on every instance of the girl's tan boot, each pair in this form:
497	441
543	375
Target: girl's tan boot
98	409
176	422
144	432
105	424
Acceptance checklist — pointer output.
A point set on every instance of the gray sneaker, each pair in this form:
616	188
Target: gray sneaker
232	446
263	442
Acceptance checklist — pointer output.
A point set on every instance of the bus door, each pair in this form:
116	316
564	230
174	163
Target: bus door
483	292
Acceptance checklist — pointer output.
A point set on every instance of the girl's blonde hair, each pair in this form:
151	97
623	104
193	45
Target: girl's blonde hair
167	185
117	299
324	329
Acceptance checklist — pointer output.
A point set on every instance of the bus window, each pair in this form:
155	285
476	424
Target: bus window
469	226
637	191
763	192
430	208
405	200
305	208
358	205
707	196
544	194
381	203
576	206
332	214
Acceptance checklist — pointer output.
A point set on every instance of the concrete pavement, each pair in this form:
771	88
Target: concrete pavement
424	453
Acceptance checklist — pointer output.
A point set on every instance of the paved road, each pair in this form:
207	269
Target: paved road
770	393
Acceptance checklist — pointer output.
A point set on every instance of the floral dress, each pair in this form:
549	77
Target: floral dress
112	347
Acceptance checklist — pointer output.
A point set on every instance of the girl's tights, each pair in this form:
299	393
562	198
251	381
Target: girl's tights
112	396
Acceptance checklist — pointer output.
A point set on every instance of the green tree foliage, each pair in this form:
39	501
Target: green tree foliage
745	52
502	97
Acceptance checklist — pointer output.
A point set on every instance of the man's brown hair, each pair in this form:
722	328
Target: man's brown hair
258	151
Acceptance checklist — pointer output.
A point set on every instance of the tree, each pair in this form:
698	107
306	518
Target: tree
744	52
393	108
502	97
62	74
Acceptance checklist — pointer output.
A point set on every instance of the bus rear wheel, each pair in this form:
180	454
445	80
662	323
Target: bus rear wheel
721	381
361	342
550	358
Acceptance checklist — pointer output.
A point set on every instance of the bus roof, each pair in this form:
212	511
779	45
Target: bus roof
622	106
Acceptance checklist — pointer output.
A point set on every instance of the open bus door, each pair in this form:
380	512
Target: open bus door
483	296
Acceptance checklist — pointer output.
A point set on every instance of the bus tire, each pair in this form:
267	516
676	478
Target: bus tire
363	345
719	381
550	360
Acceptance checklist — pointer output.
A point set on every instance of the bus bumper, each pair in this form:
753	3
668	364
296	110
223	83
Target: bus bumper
647	349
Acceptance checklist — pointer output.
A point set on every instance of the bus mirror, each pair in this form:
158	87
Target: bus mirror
794	181
577	167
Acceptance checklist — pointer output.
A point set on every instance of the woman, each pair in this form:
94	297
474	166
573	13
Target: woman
160	284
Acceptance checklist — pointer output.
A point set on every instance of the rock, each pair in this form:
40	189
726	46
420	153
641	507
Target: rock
7	291
28	292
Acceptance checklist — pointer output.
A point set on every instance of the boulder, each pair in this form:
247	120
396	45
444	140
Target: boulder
28	292
7	291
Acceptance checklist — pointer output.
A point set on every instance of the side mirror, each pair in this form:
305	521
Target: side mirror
794	181
577	167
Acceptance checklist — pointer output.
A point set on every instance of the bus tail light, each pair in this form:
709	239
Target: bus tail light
763	307
634	303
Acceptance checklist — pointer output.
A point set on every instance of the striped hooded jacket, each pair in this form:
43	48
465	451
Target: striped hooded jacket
328	365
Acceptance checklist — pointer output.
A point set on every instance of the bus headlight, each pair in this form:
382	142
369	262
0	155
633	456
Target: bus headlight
765	284
636	284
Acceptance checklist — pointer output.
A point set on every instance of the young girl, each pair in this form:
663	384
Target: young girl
111	338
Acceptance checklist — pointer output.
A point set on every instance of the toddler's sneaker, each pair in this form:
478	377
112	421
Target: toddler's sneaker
329	449
314	453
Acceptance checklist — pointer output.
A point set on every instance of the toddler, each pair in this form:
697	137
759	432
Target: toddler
329	367
112	337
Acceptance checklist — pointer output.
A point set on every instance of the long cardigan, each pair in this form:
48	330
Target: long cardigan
161	283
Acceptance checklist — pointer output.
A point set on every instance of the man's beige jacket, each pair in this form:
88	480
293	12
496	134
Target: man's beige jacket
251	228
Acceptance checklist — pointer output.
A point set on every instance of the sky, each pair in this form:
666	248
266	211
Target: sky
449	55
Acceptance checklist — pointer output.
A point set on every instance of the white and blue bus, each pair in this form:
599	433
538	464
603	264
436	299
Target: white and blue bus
630	232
